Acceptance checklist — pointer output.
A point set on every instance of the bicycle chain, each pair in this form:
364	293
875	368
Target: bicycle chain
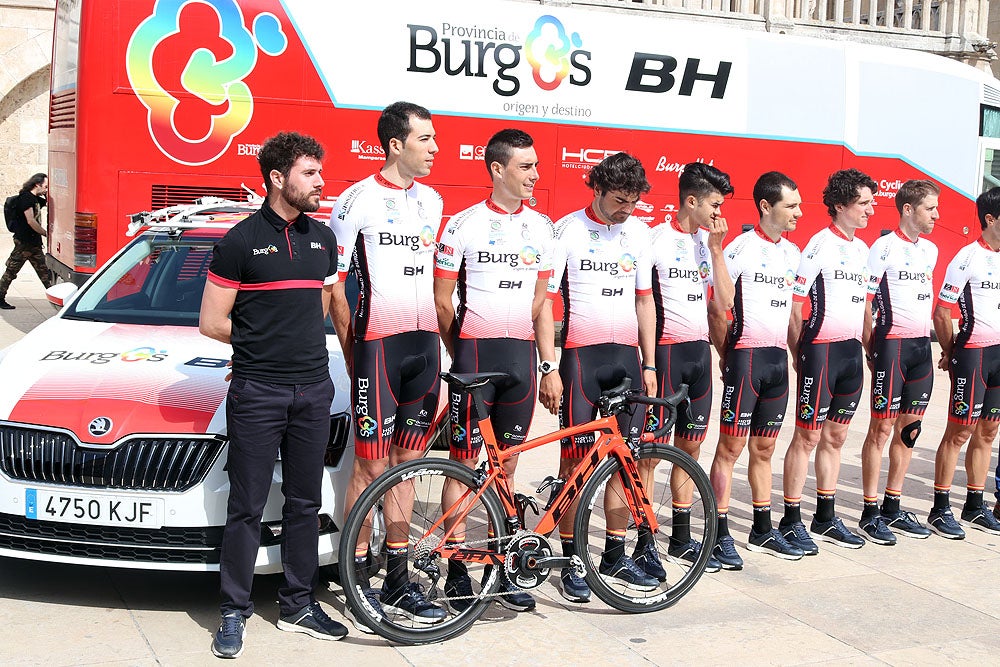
508	539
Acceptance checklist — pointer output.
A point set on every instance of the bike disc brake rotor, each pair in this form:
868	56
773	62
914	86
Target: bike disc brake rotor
521	566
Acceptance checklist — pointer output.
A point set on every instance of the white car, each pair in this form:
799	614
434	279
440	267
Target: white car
112	416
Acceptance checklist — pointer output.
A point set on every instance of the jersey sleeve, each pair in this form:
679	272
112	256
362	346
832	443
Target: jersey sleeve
733	255
226	268
346	222
877	258
449	250
644	262
545	235
809	268
955	278
557	252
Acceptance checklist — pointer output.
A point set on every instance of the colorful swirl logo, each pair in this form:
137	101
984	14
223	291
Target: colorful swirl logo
548	49
728	415
528	255
652	422
789	278
366	426
627	262
704	270
427	236
457	432
805	412
880	402
218	83
138	354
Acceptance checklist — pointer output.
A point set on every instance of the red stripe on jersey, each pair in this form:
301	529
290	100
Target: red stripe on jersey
282	284
223	282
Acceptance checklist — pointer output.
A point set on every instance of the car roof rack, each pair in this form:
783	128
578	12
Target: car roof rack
174	219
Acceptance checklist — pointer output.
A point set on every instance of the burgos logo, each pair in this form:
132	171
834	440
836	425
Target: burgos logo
269	250
211	81
554	54
427	236
528	255
627	262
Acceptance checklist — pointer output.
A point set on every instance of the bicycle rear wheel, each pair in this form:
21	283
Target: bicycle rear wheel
367	595
603	496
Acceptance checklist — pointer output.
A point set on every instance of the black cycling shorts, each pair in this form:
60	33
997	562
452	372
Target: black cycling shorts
586	372
754	391
510	402
829	386
691	364
902	376
975	384
395	390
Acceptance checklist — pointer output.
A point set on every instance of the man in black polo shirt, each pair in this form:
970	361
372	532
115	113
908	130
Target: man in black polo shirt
28	233
268	292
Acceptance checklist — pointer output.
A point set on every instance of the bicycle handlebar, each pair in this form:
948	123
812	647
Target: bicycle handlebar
614	400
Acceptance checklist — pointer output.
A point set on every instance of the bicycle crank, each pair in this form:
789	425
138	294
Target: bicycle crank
529	560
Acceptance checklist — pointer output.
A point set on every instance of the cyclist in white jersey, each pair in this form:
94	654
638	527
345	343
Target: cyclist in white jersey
828	357
972	358
600	264
687	265
497	253
754	361
901	270
385	227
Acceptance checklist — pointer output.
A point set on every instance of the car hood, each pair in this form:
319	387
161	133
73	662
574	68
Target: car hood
105	381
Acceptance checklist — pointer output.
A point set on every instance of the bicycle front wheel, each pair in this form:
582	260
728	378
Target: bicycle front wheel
381	519
683	505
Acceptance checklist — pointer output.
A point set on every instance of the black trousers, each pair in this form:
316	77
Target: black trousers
262	419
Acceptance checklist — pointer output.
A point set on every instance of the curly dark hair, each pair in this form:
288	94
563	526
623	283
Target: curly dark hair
279	153
844	187
700	179
988	203
619	172
394	123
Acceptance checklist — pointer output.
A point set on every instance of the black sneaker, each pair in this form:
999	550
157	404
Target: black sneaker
774	543
648	558
875	530
372	598
687	554
459	593
725	553
228	642
625	571
905	523
514	598
6	306
798	537
409	601
835	532
313	621
572	586
981	519
942	522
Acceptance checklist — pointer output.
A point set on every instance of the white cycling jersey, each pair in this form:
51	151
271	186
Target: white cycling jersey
833	276
901	274
387	234
973	281
682	278
600	269
497	257
763	272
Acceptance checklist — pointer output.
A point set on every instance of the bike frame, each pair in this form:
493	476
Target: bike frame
608	444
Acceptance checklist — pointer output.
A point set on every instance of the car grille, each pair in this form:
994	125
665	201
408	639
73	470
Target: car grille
163	545
139	463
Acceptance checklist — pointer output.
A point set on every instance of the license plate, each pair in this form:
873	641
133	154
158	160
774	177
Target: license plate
97	510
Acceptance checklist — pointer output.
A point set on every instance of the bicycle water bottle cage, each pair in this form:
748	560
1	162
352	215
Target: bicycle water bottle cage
523	502
554	485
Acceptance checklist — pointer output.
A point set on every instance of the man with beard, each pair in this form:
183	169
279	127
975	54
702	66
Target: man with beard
268	293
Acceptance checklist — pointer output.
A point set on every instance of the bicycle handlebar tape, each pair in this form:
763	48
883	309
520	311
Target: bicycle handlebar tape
670	405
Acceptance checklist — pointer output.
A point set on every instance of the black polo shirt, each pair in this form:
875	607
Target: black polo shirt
22	230
279	268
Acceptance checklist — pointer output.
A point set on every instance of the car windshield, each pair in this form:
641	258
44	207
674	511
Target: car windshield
159	279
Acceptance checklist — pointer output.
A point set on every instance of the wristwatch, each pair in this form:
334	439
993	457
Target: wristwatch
547	367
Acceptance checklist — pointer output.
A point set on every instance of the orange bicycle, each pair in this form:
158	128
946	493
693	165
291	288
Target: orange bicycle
485	528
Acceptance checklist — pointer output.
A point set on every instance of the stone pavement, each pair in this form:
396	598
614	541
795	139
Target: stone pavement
920	602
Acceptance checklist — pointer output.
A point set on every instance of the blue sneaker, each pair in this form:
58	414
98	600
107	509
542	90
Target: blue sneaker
648	558
573	587
942	522
876	530
372	598
228	642
725	552
313	621
835	532
687	554
625	571
797	535
459	593
981	519
905	523
409	601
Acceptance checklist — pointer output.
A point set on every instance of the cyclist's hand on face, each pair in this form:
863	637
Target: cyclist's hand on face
550	391
649	382
717	229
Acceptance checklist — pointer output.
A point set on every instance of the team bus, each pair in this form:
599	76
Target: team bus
157	102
